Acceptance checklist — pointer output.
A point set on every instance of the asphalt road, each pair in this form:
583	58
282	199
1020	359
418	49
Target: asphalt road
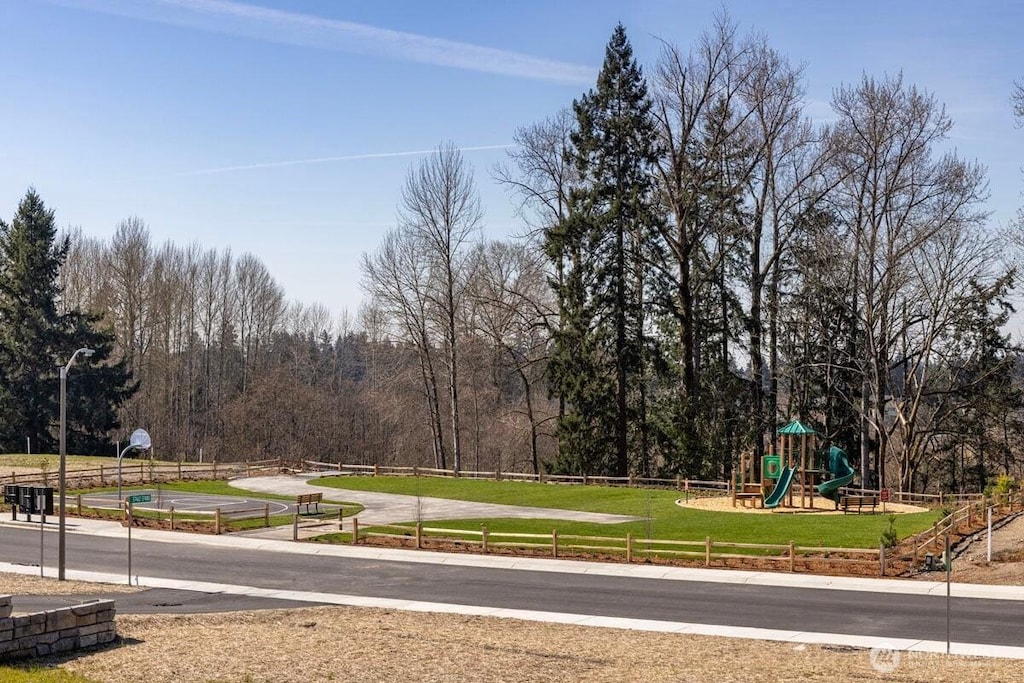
985	621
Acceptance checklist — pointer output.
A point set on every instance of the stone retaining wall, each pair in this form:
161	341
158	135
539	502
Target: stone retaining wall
55	630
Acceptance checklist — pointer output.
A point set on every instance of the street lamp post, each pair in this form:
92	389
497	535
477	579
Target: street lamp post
64	456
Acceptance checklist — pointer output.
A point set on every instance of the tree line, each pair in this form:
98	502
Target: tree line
717	263
699	262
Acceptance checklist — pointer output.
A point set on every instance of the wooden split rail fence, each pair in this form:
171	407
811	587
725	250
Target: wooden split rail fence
631	549
695	485
963	521
145	472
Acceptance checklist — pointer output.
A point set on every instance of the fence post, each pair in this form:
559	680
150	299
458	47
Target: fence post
341	517
295	526
214	469
629	548
179	470
78	500
172	517
881	558
102	483
792	557
707	551
415	471
266	514
483	537
246	468
376	471
216	521
419	535
554	543
355	530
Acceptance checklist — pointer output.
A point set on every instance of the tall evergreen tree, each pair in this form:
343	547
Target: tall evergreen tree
610	232
36	338
30	259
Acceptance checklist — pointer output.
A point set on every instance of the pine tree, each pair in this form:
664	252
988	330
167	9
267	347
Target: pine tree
95	391
30	340
36	338
606	241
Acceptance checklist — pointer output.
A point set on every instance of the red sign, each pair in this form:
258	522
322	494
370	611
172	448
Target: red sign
883	496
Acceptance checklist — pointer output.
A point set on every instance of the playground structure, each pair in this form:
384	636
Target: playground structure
796	461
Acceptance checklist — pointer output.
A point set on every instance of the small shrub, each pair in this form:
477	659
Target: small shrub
1001	485
889	537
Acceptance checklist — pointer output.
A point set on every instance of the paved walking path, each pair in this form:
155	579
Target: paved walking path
391	508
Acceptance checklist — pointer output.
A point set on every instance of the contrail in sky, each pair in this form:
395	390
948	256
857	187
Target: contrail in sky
325	160
308	30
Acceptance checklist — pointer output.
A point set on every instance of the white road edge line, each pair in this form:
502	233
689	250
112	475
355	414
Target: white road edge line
748	633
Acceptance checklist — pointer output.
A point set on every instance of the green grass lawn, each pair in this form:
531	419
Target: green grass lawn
36	674
662	518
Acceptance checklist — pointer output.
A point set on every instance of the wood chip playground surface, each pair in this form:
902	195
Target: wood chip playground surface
822	506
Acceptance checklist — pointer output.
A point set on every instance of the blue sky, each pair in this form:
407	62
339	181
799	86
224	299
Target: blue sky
286	129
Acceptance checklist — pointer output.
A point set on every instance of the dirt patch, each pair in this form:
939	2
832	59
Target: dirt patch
20	584
356	644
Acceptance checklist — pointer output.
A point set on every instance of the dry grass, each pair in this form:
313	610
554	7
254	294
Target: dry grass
22	584
353	644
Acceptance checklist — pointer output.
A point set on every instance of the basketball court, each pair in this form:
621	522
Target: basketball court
162	500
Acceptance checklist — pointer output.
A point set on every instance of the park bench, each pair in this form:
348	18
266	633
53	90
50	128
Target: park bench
750	492
308	499
847	502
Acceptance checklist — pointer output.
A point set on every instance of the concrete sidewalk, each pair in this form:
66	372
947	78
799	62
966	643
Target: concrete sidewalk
391	508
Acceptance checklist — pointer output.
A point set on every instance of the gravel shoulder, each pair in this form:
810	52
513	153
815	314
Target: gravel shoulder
1007	566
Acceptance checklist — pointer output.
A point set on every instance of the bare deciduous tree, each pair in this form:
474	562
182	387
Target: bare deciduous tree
909	216
441	208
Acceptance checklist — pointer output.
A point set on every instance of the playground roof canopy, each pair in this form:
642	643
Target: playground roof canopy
796	427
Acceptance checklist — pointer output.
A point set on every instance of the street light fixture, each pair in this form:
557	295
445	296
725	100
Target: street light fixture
64	455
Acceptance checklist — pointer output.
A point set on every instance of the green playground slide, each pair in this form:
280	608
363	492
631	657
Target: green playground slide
842	474
780	490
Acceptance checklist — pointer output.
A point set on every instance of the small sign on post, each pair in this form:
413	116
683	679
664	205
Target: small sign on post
883	498
140	498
